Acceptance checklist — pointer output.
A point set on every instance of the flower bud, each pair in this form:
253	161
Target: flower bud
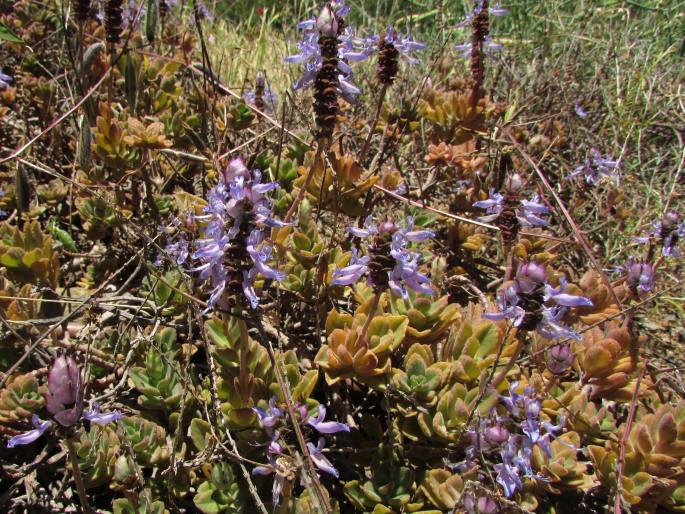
514	183
496	434
64	399
640	276
480	505
670	219
530	275
236	168
387	227
326	22
559	358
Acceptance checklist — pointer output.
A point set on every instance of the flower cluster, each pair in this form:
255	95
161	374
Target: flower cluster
668	232
64	401
529	214
231	251
490	47
262	96
389	263
640	276
279	461
525	301
596	168
350	49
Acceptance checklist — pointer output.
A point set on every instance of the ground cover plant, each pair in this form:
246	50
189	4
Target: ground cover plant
375	257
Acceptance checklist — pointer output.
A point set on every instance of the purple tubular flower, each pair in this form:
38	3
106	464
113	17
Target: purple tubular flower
580	112
551	328
533	210
507	303
351	273
101	418
260	253
597	168
497	10
30	436
320	460
405	45
558	296
326	427
369	229
493	206
269	418
4	80
529	276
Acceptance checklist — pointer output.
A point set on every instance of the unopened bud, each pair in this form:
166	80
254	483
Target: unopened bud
559	358
496	434
514	183
530	275
670	219
326	22
387	227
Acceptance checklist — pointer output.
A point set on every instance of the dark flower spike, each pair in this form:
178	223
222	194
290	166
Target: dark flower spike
640	277
389	263
40	427
326	427
232	250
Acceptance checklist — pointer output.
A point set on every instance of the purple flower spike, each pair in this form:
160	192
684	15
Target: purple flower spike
30	436
533	210
326	427
597	168
320	460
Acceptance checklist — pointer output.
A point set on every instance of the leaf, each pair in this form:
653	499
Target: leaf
7	35
199	432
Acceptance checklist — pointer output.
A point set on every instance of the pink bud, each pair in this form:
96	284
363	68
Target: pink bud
559	358
496	434
236	168
326	22
530	275
670	219
387	227
514	183
64	399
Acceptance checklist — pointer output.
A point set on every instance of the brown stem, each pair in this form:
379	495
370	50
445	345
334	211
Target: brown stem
78	479
310	175
365	148
520	342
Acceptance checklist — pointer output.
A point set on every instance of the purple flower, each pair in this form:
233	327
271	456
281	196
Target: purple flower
558	296
269	97
351	273
239	198
405	45
4	80
580	112
532	212
668	231
559	358
30	436
269	418
597	168
320	460
493	206
101	418
508	478
326	427
490	48
551	328
369	229
481	505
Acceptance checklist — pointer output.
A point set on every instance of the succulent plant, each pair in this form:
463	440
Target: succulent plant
388	492
429	319
562	468
344	187
421	378
147	137
141	506
20	398
28	255
98	216
53	192
147	439
159	381
110	143
219	492
97	452
654	458
609	364
442	488
360	350
603	304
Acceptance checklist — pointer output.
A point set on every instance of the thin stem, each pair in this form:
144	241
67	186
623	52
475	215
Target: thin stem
310	175
520	342
372	128
78	479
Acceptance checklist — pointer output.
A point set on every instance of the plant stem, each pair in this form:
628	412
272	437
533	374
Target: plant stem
78	479
372	128
310	175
